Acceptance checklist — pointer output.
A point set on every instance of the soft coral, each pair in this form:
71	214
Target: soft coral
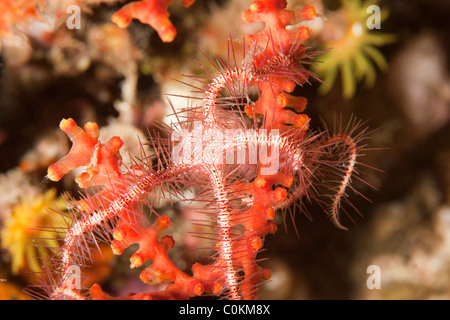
152	12
239	200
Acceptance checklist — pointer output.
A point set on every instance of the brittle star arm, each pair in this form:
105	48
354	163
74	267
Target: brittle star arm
91	221
225	245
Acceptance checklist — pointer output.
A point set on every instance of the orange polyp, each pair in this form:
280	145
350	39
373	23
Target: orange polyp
289	85
299	103
288	181
198	289
287	100
67	125
137	260
117	247
161	224
91	128
167	242
308	13
154	277
270	213
115	143
302	122
54	173
303	33
217	288
121	19
282	100
271	227
97	293
257	7
167	33
257	243
249	111
260	182
118	235
279	194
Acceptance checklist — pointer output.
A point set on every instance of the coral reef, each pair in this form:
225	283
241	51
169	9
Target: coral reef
239	207
215	230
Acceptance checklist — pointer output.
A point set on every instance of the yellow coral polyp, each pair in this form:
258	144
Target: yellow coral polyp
25	224
353	47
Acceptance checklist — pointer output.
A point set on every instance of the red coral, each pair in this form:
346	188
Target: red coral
151	12
280	61
103	159
241	200
15	12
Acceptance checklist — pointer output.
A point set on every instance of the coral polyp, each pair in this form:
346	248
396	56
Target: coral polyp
354	53
30	220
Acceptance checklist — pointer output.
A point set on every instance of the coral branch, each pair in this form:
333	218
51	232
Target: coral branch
151	12
249	157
